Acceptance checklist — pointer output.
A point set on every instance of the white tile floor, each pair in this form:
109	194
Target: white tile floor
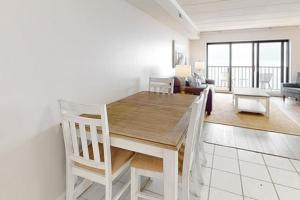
232	174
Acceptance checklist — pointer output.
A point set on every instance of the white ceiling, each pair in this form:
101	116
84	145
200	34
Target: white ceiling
215	15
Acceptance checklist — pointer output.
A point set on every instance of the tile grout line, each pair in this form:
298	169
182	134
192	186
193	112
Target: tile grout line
270	182
260	143
255	163
259	164
212	164
251	150
287	186
254	179
221	170
217	188
294	167
265	165
270	177
241	176
238	159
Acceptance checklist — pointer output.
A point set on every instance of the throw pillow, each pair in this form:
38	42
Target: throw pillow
200	76
194	81
197	79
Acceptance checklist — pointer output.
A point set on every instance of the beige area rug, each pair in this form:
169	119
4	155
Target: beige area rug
223	113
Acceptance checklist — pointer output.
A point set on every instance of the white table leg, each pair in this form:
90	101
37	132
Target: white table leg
268	107
170	159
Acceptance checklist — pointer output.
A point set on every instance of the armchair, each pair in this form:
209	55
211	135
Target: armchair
291	89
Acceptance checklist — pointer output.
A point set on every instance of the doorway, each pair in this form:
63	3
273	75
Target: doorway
261	64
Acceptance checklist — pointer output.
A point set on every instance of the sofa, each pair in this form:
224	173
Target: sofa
291	89
182	86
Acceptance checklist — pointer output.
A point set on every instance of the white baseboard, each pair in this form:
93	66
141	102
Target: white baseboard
62	196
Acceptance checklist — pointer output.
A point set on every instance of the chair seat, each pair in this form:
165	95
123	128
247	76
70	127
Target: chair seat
155	164
118	158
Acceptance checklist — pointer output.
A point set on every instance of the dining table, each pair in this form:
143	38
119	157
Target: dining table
154	124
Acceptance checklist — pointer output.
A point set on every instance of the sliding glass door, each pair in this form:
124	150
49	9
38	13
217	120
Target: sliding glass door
270	65
263	64
242	65
219	65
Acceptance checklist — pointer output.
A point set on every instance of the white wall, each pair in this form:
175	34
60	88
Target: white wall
198	47
87	51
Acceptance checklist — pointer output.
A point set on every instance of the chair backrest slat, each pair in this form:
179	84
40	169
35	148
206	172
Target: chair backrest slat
201	122
161	85
74	138
95	145
84	128
84	141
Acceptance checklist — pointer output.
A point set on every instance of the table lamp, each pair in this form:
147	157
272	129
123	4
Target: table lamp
183	71
200	67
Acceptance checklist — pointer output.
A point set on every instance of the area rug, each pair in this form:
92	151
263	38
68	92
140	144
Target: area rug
224	113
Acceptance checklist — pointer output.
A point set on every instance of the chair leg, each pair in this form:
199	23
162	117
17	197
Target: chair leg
196	179
108	192
135	184
70	183
198	170
196	184
108	189
202	153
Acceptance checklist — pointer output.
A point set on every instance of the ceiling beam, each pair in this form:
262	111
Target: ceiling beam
170	13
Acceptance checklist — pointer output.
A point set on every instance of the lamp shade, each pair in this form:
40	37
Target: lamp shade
200	66
183	70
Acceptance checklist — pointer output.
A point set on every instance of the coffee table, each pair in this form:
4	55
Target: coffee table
251	100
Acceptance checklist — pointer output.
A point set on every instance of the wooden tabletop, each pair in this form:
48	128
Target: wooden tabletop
158	119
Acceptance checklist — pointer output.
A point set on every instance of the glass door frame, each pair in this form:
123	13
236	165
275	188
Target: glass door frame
255	59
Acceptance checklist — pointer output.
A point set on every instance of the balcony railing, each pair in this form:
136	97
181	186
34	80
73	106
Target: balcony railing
242	77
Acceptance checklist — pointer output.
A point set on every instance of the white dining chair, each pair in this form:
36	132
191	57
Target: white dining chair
83	127
200	159
161	85
200	155
149	166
